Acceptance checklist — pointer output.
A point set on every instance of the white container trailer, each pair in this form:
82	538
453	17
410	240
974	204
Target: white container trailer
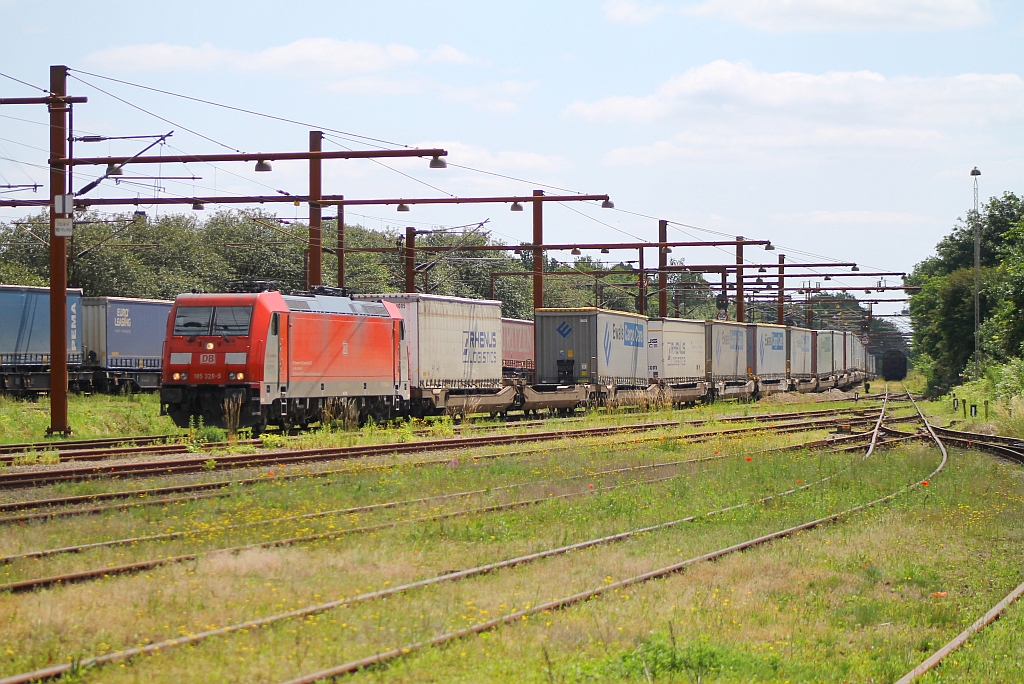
455	351
677	358
769	351
824	362
801	354
588	345
675	349
728	348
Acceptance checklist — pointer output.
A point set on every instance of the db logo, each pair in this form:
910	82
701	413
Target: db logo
208	358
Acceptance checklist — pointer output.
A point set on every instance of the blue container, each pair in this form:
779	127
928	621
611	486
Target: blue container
25	326
122	333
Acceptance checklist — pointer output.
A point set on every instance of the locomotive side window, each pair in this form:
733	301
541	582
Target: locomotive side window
275	323
193	320
232	320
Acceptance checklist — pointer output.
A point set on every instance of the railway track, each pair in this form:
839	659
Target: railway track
158	496
108	448
1008	447
872	437
206	462
561	603
849	443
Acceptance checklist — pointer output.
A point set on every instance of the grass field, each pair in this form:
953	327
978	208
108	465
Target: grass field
97	415
863	599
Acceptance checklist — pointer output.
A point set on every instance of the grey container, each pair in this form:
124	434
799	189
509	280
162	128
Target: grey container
825	353
729	351
801	353
123	333
25	326
769	351
590	345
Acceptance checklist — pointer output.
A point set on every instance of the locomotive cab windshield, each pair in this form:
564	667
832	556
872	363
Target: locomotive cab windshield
199	321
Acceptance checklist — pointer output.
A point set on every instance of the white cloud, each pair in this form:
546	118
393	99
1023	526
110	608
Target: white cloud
809	15
727	110
731	143
510	161
450	55
501	97
854	97
498	98
862	217
624	12
316	55
377	86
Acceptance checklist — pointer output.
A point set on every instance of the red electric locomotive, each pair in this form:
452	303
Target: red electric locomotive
252	360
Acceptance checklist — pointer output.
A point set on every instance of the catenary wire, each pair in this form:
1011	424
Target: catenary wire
26	83
157	116
238	109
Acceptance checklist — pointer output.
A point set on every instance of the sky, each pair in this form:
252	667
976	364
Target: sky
844	129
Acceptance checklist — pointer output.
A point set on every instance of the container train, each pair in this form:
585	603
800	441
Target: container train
260	359
113	343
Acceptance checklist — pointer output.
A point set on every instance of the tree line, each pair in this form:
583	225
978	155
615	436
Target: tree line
942	312
159	257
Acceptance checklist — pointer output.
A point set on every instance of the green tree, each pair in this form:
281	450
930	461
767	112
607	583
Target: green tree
943	311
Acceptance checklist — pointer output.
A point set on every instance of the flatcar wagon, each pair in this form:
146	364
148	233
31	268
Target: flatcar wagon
253	360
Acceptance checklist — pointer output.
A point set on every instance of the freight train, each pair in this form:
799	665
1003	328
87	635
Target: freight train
260	359
113	344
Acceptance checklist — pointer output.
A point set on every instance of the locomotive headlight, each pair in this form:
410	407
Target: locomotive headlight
176	376
184	376
231	376
209	345
240	376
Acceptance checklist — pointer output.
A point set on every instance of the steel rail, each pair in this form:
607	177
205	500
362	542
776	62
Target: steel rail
123	506
694	438
105	453
159	491
75	444
960	639
873	435
97	449
144	494
26	585
579	597
347	511
35	478
39	582
978	437
1007	447
58	670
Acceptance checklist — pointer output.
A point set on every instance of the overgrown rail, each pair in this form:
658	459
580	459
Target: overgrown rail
58	670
